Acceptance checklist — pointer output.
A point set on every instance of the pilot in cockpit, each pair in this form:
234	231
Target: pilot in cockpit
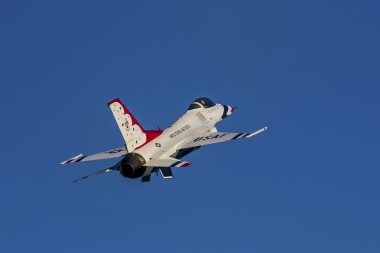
201	103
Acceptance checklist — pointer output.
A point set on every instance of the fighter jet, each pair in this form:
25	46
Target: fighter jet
152	151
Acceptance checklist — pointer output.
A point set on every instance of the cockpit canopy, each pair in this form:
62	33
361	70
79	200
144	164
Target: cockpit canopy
201	103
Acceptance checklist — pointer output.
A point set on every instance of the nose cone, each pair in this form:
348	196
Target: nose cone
227	111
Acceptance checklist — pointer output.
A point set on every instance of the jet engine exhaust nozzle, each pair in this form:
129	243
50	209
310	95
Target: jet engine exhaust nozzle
132	166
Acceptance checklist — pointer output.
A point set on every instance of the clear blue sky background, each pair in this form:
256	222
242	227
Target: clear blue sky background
307	69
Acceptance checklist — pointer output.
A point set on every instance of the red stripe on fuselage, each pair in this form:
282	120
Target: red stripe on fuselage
150	136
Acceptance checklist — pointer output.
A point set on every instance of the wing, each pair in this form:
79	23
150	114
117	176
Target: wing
95	174
211	138
117	152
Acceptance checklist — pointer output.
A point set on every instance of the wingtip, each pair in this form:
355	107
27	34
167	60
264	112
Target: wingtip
72	159
256	132
186	164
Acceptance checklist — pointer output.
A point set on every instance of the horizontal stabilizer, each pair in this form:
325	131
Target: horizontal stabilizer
113	153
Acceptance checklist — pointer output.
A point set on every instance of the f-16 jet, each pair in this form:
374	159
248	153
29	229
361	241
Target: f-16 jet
157	151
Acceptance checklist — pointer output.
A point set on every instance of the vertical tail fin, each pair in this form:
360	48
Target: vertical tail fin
133	133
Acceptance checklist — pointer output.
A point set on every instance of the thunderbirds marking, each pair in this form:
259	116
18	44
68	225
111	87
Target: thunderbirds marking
141	156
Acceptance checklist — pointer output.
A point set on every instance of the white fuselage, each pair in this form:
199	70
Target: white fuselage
193	122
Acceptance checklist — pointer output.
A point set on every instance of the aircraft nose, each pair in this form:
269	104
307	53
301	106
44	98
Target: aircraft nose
227	111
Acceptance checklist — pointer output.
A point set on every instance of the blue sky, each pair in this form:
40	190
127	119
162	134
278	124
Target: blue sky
309	70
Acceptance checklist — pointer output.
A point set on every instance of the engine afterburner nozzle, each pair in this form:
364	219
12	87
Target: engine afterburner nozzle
132	166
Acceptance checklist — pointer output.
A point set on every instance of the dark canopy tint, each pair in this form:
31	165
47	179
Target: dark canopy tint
201	102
